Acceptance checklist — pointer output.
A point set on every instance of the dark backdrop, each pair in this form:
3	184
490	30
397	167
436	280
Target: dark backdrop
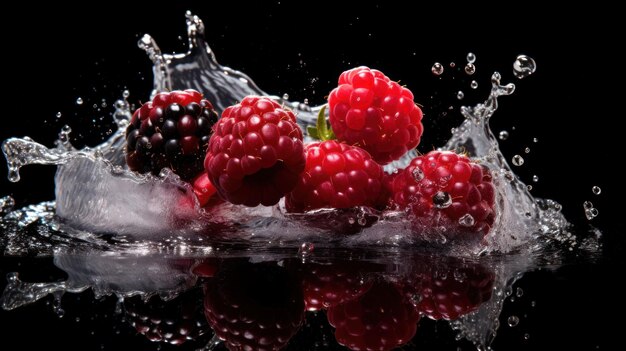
573	104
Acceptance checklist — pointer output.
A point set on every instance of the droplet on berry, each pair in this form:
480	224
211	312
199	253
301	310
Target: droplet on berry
418	174
442	200
466	220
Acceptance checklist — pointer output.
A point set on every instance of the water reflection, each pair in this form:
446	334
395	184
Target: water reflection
365	300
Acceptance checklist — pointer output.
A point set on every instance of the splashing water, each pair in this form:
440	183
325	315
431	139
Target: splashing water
95	192
96	195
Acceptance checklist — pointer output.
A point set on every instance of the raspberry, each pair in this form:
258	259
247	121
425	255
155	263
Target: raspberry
170	131
444	188
370	111
380	319
254	306
336	175
453	289
255	155
175	321
326	285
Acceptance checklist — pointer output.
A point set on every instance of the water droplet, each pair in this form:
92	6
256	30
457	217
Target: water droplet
306	101
460	95
470	69
452	64
79	101
529	187
518	160
285	96
362	222
513	321
596	190
418	174
519	292
535	140
524	66
442	200
474	84
351	220
471	58
305	249
503	135
58	115
125	94
527	150
587	205
526	336
466	220
437	69
535	178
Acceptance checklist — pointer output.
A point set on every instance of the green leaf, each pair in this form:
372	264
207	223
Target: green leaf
322	130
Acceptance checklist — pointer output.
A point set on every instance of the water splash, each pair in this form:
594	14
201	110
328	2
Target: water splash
95	191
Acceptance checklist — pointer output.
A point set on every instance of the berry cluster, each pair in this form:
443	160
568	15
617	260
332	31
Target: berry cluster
255	155
261	306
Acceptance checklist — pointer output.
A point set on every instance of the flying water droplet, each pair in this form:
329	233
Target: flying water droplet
596	190
470	69
503	135
590	211
524	66
513	321
125	94
452	64
58	115
527	150
285	96
442	200
79	101
474	84
518	160
471	58
437	69
460	95
535	178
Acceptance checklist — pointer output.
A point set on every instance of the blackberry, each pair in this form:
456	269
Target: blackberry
172	131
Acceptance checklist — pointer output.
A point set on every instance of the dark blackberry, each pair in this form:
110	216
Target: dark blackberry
172	131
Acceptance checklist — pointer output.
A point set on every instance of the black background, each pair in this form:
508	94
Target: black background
573	104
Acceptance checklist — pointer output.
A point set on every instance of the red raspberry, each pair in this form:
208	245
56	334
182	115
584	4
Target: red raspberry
326	285
170	131
254	306
452	289
255	155
336	175
444	188
370	111
381	319
174	321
